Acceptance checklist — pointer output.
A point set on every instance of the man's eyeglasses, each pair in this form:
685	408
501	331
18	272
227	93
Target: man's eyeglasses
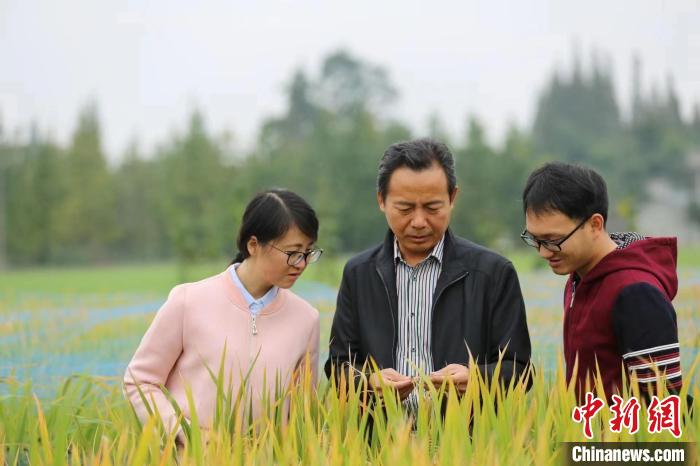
553	246
295	257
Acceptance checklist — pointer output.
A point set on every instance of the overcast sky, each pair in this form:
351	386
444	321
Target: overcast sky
147	63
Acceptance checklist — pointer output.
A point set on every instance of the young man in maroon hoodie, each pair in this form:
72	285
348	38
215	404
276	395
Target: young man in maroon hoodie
617	300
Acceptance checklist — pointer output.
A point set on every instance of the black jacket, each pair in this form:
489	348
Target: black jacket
477	307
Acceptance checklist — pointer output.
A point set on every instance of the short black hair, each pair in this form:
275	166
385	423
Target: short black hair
574	190
418	154
270	214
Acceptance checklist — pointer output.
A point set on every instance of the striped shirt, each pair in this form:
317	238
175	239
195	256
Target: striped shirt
415	287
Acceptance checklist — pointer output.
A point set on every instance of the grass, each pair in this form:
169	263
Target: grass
136	278
689	257
133	278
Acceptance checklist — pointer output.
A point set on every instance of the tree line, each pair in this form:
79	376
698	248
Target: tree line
62	205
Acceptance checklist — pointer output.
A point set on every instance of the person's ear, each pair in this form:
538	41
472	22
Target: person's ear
253	246
453	195
597	224
380	201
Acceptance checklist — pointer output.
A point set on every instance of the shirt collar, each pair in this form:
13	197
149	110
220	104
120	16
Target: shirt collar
436	252
249	299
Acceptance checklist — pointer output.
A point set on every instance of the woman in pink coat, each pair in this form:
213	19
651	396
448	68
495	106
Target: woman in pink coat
269	333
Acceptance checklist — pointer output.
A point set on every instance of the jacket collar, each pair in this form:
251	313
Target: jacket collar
453	265
436	253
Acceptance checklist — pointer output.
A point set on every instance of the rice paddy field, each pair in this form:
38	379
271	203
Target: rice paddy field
66	336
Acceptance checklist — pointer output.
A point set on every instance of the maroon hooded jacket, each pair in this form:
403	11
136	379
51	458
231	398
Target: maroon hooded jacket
621	312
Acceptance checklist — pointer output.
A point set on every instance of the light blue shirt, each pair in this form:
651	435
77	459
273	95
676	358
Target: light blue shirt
254	305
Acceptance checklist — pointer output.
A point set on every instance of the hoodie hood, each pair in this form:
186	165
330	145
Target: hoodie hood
655	256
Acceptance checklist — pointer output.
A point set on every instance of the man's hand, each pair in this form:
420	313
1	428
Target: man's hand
457	373
392	379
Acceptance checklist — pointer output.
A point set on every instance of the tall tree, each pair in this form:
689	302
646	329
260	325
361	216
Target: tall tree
87	225
142	225
572	114
193	180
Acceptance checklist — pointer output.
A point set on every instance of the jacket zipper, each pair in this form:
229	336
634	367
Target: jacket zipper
567	316
253	333
393	324
437	298
432	311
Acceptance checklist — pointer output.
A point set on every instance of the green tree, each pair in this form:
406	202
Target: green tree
86	225
193	179
143	225
36	191
574	114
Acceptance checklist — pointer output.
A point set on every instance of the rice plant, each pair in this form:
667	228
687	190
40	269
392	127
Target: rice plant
89	422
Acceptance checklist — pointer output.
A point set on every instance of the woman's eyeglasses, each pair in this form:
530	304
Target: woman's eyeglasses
295	257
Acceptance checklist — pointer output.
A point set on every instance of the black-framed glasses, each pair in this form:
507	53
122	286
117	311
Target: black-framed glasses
295	257
553	246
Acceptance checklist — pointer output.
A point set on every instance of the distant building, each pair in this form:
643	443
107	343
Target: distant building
667	210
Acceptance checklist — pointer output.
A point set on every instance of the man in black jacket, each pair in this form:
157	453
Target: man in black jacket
426	300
